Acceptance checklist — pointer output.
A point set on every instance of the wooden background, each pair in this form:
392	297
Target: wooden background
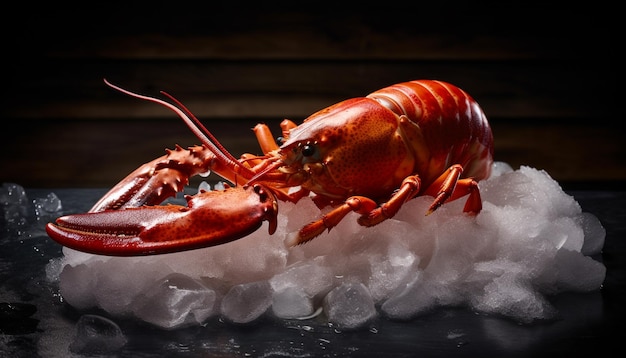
546	78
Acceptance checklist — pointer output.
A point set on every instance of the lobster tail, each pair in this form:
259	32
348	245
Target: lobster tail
454	127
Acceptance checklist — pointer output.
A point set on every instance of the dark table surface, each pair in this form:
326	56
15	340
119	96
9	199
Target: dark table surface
35	321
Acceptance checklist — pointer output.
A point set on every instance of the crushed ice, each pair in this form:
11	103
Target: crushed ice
531	240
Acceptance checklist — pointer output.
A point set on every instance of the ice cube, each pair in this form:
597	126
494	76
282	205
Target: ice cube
246	302
120	280
13	194
51	204
97	335
410	300
292	302
390	270
310	276
565	233
176	301
14	204
349	306
595	234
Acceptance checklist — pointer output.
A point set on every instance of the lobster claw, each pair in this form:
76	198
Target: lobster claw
209	219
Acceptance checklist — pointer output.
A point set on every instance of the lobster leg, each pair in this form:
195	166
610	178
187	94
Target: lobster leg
209	219
265	138
371	212
449	187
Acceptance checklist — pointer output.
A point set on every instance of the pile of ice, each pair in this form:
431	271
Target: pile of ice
530	241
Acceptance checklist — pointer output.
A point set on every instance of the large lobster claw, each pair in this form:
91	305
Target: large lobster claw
211	218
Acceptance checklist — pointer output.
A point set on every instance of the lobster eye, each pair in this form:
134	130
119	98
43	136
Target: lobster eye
259	190
308	150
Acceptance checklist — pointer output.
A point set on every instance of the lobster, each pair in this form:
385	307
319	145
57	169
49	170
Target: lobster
367	155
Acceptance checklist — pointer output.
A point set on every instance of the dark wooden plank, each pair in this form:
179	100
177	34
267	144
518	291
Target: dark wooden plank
100	153
516	59
545	77
74	89
577	154
306	44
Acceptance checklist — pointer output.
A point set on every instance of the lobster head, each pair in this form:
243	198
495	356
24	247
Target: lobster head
347	148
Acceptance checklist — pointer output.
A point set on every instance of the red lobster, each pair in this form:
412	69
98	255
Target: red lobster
368	155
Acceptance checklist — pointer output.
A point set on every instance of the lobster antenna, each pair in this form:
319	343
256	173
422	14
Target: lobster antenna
222	154
201	126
